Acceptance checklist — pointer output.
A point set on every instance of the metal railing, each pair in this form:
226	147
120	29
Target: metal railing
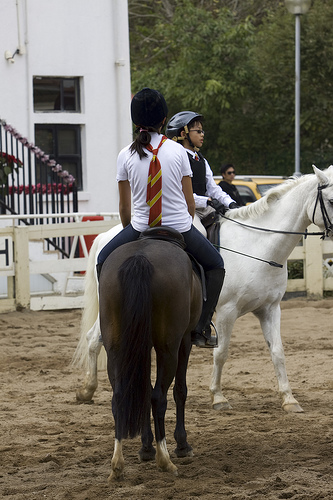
32	183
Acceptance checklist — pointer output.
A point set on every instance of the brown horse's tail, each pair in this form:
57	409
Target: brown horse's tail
132	396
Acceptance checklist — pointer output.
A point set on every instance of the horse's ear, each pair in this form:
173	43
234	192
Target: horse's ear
322	179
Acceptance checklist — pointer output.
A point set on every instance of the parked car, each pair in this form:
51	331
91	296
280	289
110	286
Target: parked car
253	187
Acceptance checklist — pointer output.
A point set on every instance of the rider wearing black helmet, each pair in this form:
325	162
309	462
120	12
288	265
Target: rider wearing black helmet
154	162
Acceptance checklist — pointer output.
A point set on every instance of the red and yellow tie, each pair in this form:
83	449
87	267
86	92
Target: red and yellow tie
154	187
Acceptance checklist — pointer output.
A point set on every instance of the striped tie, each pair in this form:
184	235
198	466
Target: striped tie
154	187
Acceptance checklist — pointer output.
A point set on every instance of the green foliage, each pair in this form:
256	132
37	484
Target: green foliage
295	269
234	63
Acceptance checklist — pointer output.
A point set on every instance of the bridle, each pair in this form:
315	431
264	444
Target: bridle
326	219
323	234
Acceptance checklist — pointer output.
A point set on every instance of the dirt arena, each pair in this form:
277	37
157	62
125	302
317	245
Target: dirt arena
54	448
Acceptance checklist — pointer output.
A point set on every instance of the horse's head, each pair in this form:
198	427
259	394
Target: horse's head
321	210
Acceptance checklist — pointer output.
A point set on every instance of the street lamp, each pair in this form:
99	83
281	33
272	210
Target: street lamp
297	7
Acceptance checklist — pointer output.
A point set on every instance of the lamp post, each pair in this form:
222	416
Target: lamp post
297	7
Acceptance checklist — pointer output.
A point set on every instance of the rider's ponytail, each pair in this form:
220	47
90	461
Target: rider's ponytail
142	139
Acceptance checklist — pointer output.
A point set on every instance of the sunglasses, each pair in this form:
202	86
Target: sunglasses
198	131
231	172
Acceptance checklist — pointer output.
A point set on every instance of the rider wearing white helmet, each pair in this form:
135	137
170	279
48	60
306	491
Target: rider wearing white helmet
186	127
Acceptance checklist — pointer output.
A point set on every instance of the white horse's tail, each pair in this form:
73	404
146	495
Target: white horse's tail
91	301
91	307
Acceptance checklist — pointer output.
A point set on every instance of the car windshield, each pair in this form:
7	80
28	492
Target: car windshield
263	188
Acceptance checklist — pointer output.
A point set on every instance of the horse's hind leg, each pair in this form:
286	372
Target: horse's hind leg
180	394
117	462
270	323
94	347
166	369
147	451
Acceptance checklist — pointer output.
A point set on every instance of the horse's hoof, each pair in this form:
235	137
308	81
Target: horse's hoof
83	397
147	455
184	452
168	467
222	405
115	475
172	469
293	408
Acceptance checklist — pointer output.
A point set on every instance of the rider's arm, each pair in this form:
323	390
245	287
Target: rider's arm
124	189
188	193
200	201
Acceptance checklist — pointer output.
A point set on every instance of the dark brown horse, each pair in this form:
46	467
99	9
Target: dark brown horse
149	298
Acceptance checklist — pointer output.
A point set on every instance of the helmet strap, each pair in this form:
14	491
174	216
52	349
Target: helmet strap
187	132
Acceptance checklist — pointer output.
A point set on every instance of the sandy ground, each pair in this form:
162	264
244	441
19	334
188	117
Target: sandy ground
52	447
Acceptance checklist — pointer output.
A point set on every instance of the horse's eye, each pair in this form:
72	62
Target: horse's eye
331	201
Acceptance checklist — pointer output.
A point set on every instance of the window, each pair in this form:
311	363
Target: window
56	94
246	194
63	144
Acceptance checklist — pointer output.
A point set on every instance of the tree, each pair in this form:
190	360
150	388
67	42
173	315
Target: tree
234	62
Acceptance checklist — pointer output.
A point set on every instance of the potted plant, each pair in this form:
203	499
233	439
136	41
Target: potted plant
8	165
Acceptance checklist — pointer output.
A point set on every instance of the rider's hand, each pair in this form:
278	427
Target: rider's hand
233	205
217	205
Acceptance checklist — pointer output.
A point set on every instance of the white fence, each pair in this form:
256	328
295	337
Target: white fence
21	259
19	262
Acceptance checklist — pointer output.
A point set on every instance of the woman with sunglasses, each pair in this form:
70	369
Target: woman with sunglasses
228	174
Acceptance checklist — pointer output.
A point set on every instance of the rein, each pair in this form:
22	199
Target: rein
323	234
270	262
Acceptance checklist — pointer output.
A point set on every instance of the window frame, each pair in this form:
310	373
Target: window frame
61	80
62	158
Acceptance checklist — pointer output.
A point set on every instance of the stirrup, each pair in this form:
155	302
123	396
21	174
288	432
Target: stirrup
201	339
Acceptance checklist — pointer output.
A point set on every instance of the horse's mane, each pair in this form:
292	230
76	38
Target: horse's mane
260	206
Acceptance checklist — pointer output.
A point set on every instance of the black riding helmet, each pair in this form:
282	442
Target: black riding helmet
148	108
181	121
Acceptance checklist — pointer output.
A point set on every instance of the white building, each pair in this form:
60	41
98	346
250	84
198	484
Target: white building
65	85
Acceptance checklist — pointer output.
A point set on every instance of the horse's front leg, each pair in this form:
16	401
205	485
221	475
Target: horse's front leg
224	322
180	394
269	319
94	347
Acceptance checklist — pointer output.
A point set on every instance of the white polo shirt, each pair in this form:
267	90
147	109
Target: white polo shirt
175	165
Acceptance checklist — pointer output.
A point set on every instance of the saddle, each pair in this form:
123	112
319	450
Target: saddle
173	236
164	233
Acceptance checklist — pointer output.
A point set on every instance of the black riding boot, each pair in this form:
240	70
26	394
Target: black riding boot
201	336
98	269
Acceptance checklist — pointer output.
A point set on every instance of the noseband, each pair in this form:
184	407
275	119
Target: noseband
326	219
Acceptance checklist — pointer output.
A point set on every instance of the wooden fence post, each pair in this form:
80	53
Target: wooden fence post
314	278
22	274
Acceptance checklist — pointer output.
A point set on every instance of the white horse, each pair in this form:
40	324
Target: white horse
251	285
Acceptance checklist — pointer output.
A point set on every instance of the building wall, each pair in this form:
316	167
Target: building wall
72	38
